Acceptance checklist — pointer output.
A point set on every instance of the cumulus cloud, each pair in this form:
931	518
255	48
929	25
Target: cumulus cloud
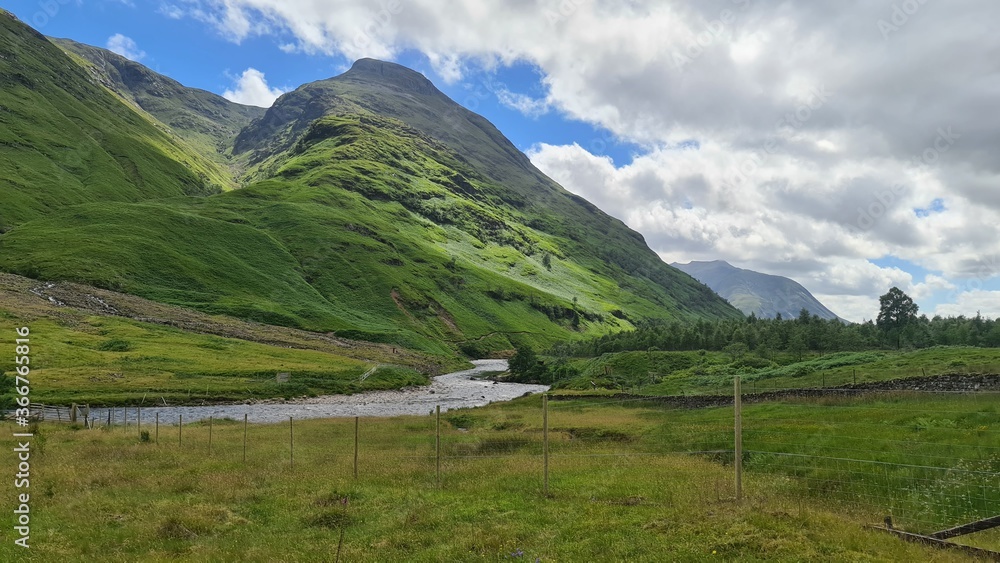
252	89
171	11
969	303
126	47
531	107
828	135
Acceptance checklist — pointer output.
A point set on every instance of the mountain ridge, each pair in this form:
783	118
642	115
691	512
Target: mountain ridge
764	295
370	205
207	121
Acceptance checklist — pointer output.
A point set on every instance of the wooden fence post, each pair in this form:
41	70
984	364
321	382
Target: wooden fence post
291	443
244	437
437	447
545	439
738	438
356	424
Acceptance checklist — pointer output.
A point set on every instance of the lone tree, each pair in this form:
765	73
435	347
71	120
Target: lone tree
896	310
525	367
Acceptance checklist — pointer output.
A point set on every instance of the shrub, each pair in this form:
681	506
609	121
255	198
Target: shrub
115	345
461	420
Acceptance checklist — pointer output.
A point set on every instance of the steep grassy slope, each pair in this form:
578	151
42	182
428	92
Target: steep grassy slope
500	174
102	347
402	225
170	256
206	121
362	215
64	140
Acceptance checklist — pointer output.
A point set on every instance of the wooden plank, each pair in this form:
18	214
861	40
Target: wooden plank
970	528
917	538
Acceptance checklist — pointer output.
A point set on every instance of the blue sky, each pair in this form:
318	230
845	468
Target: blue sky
798	140
185	50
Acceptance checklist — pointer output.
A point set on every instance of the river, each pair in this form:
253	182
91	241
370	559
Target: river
451	391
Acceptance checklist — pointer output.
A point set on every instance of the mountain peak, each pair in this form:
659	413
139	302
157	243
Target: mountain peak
765	295
374	70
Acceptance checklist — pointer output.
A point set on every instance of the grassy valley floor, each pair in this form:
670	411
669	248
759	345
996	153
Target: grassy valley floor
622	488
106	348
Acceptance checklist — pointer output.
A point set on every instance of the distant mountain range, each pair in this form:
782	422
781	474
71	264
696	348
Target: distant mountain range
369	205
764	295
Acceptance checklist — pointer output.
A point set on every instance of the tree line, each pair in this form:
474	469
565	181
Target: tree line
897	326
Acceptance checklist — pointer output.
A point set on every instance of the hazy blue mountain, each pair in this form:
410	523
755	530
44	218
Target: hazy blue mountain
753	292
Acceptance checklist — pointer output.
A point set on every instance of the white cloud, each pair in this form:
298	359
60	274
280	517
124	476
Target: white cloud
969	302
819	134
931	284
854	308
171	11
252	90
531	107
125	46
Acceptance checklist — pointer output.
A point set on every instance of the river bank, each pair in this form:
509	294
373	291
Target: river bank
451	391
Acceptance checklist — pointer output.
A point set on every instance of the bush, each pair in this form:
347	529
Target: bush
461	420
115	345
753	362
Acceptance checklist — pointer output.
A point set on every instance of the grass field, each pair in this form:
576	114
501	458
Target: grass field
78	355
109	361
621	488
703	372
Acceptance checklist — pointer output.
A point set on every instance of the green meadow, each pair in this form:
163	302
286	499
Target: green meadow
79	356
707	372
623	485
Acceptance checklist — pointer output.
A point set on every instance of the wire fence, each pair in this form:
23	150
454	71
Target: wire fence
922	461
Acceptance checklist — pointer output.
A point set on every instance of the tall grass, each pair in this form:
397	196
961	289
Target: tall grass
621	489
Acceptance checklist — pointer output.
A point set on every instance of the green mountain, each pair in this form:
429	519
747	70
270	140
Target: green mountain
207	122
374	207
65	140
764	295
